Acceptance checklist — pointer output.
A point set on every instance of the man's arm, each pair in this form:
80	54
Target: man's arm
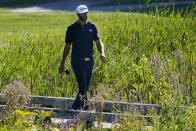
100	47
65	54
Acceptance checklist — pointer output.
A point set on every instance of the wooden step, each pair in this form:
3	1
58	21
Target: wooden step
109	106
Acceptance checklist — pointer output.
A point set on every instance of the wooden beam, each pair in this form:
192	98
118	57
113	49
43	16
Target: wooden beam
90	115
108	106
2	99
78	115
96	124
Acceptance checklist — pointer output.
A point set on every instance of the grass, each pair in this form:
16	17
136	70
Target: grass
32	46
150	58
3	10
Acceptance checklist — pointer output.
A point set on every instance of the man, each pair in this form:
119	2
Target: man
80	35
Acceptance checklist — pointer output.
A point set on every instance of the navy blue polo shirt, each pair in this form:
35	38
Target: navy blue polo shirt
81	37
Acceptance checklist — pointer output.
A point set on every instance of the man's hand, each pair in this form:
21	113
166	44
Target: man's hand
100	47
61	69
103	58
65	53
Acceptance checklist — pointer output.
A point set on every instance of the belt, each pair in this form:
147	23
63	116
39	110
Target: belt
86	59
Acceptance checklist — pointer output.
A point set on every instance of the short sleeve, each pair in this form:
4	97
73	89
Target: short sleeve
68	37
95	33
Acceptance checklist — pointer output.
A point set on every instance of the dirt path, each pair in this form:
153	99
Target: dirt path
70	5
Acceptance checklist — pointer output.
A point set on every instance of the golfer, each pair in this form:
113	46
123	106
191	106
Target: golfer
80	36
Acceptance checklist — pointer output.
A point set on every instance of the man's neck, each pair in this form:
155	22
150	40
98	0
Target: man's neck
82	22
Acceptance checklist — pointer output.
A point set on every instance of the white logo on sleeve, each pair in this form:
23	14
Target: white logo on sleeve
90	30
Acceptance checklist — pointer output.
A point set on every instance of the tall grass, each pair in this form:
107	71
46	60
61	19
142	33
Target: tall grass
147	54
150	58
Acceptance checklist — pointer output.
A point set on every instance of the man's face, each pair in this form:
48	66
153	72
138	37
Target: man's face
83	16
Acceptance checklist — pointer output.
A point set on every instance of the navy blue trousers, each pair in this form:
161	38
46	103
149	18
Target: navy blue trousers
83	73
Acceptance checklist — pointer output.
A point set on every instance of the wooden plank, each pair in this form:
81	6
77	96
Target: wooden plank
2	107
89	115
61	120
108	105
105	125
52	101
96	124
72	117
2	99
131	107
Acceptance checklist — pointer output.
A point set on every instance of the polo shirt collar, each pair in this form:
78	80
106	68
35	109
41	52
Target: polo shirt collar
77	22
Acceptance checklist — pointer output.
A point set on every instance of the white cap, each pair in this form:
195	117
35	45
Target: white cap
81	9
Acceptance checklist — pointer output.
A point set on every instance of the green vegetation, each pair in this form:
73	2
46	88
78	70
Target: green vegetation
3	10
150	58
147	53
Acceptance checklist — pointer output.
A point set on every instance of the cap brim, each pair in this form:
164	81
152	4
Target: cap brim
82	12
